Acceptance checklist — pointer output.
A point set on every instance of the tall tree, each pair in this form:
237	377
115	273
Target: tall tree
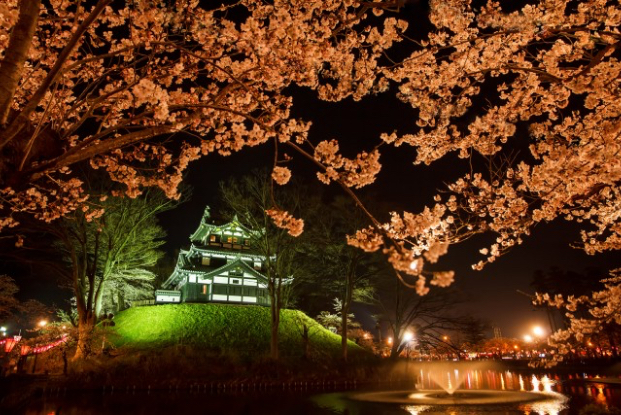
8	303
251	198
106	252
11	307
430	318
332	268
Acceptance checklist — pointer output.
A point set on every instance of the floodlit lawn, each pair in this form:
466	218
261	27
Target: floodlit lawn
244	330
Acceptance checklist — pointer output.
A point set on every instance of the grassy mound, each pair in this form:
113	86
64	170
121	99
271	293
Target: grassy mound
224	329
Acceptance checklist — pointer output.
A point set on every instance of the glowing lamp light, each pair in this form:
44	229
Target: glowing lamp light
408	336
528	338
42	323
389	340
538	331
445	338
414	265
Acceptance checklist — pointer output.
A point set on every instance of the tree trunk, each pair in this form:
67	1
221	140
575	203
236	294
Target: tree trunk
85	336
344	313
275	322
99	300
305	342
613	344
344	332
394	348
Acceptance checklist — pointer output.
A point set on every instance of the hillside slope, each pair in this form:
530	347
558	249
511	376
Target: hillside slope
243	330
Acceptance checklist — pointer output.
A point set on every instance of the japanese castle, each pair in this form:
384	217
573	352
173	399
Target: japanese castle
220	266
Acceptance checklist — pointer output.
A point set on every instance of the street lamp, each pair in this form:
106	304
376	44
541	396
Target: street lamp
42	323
538	331
408	336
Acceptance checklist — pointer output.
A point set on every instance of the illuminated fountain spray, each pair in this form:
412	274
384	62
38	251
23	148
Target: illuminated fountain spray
545	382
448	381
537	394
535	383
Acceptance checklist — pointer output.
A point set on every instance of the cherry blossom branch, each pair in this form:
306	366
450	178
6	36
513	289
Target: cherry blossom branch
19	122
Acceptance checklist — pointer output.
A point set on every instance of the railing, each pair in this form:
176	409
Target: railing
142	303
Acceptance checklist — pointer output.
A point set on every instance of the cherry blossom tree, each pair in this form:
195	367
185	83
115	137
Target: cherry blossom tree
113	85
473	82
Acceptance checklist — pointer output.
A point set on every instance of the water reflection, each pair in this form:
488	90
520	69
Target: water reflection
557	389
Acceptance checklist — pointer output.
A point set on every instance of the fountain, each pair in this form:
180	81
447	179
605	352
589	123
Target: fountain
448	380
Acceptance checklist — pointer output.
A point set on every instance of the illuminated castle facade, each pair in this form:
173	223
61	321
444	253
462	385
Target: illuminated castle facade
220	266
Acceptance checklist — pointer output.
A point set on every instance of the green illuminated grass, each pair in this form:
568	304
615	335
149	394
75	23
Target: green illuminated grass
242	330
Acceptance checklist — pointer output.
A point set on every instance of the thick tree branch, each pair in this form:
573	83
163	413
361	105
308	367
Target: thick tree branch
20	121
82	154
15	56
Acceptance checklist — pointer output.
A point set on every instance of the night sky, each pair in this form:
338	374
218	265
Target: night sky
492	292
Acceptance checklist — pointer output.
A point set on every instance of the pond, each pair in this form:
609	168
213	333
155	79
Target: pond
560	395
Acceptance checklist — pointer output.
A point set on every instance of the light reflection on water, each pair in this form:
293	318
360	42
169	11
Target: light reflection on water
557	387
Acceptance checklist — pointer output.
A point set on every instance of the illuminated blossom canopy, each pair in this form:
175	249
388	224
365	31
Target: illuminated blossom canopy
86	83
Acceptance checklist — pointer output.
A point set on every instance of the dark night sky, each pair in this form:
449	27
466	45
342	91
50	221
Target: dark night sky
493	291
